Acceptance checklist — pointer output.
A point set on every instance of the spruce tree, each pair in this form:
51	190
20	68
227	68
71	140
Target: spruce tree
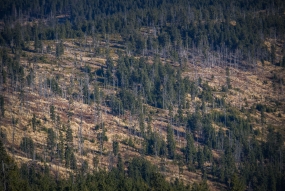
2	110
190	149
115	147
170	143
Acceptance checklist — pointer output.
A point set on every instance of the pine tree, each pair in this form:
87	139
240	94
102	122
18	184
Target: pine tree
120	164
52	113
273	54
237	184
27	146
73	161
115	147
68	153
190	149
51	142
69	146
170	143
69	136
34	122
2	109
202	186
59	49
37	42
61	146
200	158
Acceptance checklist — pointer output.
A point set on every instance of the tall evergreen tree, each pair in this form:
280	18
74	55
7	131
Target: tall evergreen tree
59	49
51	141
190	150
170	142
2	107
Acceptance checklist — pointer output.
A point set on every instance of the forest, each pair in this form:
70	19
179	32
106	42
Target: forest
142	95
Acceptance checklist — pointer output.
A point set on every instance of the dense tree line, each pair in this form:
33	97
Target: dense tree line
221	27
140	175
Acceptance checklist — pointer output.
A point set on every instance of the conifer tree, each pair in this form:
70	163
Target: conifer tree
236	183
59	49
51	142
170	143
2	110
115	147
190	149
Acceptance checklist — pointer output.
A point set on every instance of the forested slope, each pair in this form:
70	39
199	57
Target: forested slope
142	95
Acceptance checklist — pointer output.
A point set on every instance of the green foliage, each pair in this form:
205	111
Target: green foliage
69	136
3	135
73	161
159	87
120	164
202	28
263	108
86	93
27	146
201	186
273	143
141	169
100	72
115	147
190	150
102	135
282	63
110	68
170	143
30	77
273	54
155	145
35	122
84	167
237	184
130	142
194	122
52	112
2	106
53	84
48	49
10	177
116	105
59	49
67	155
200	158
51	142
61	146
129	100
